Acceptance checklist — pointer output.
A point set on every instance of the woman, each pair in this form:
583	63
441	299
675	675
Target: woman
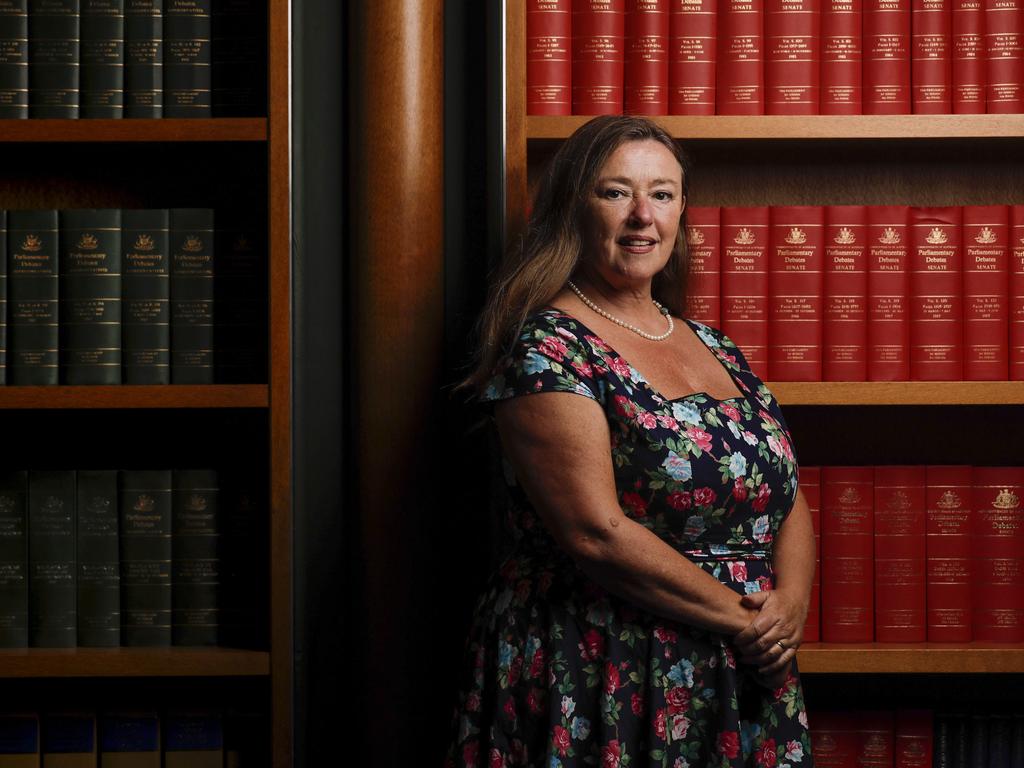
654	599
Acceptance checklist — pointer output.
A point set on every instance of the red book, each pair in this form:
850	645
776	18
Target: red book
692	57
845	330
913	742
703	243
887	57
792	33
969	57
986	292
948	541
1017	293
740	89
900	554
647	57
795	292
847	555
932	72
598	40
810	484
888	293
1003	22
744	249
834	739
548	58
936	295
841	57
875	736
997	528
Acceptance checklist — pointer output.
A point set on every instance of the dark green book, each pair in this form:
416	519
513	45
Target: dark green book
3	296
53	56
146	297
145	525
52	590
244	551
32	297
102	53
90	282
143	58
13	59
240	286
13	560
196	563
99	568
239	58
187	58
192	295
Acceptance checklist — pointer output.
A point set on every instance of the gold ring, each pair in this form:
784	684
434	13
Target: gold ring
779	643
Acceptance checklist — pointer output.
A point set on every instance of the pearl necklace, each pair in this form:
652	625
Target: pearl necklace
623	323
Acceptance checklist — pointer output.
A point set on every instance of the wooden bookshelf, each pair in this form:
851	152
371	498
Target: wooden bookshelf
133	662
905	658
827	393
113	131
129	396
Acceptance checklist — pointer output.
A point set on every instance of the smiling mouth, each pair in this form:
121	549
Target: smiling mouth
636	242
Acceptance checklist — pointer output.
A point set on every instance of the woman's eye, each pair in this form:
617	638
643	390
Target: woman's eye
614	194
663	196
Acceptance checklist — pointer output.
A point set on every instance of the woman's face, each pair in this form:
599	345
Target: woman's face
633	214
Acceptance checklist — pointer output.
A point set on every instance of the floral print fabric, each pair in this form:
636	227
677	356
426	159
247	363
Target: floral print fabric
561	673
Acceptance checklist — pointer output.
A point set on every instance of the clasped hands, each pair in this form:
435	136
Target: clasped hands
770	641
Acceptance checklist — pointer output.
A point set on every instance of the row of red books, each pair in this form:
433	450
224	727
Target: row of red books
775	57
864	293
872	739
916	553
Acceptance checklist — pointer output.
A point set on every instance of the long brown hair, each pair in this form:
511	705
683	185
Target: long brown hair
536	267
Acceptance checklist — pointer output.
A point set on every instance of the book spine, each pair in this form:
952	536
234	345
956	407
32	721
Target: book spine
146	291
846	293
13	560
69	740
693	55
598	56
239	58
646	73
548	57
3	297
745	235
13	59
99	568
913	739
875	737
795	297
740	87
986	292
52	586
1016	290
997	526
1017	740
187	77
949	499
999	742
810	484
887	57
145	553
703	246
834	739
792	30
53	54
240	291
243	619
847	579
129	739
19	735
900	554
888	293
193	739
977	743
1004	20
32	301
196	568
842	54
931	74
936	295
192	318
968	57
90	286
102	54
143	58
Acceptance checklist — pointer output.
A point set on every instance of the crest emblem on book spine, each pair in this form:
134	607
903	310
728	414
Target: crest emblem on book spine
899	500
937	236
889	237
694	237
242	245
1006	499
54	505
845	236
744	237
32	243
144	243
196	502
949	500
796	236
192	244
98	505
986	236
6	505
88	242
850	495
144	503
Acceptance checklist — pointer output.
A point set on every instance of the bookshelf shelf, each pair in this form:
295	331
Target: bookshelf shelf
903	658
113	131
133	662
128	396
898	392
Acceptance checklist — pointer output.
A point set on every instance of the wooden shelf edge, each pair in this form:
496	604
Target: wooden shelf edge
131	396
910	658
132	662
898	392
105	131
774	127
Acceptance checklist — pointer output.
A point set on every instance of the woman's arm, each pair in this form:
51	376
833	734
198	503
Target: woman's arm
559	446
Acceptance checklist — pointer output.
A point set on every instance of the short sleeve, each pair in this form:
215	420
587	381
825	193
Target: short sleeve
549	356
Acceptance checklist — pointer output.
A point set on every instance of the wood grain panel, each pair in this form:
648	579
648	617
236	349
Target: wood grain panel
132	662
106	131
909	658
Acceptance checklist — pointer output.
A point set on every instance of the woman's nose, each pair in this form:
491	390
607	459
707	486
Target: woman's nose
641	212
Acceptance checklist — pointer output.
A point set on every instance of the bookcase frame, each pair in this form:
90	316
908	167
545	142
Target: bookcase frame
530	139
274	397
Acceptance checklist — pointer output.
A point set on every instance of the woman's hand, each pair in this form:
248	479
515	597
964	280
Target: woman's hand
771	639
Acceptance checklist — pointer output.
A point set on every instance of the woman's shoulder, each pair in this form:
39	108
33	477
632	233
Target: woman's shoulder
718	342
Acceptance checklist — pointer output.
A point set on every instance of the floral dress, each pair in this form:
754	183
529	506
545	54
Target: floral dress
560	672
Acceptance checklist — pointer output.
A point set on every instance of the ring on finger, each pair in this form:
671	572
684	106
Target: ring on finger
781	645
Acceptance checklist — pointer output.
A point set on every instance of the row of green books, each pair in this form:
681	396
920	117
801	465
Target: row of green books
132	58
97	558
111	296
